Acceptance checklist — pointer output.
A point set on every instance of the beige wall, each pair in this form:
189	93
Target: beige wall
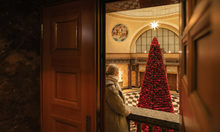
136	26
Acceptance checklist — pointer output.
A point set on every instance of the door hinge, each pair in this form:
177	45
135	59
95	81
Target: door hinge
88	123
42	31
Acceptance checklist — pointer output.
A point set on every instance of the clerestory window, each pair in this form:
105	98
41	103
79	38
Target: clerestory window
168	40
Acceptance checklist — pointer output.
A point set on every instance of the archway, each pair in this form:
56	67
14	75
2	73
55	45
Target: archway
144	29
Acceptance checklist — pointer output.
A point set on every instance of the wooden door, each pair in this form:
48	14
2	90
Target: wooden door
200	66
69	67
172	81
141	78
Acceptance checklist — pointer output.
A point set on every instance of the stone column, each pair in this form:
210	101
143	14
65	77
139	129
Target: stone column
129	75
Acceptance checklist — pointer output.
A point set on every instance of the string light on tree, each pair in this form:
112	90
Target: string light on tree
154	25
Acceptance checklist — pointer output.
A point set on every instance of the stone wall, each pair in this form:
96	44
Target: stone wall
20	65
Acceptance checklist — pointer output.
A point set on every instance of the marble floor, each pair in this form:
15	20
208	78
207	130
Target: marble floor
132	95
131	99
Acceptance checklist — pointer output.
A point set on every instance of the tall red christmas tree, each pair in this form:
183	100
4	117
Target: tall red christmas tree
154	91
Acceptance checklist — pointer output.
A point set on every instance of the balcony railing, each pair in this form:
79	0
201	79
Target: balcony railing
164	120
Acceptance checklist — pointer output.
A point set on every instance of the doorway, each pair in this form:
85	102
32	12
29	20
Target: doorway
128	38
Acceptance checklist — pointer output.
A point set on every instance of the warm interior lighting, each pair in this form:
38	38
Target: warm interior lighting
120	76
154	25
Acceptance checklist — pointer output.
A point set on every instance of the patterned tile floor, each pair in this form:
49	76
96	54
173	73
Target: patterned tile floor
131	99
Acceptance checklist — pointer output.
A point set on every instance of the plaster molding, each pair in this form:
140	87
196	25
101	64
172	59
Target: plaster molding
131	18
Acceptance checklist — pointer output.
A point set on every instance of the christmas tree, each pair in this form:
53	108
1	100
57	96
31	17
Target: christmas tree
154	91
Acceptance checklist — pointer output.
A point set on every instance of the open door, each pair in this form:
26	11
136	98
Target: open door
69	78
200	69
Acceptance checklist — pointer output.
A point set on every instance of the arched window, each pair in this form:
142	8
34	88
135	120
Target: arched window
168	40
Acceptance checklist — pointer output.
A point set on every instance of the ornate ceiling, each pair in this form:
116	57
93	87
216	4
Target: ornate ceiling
120	5
151	11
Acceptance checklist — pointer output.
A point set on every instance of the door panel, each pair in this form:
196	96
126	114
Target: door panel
69	67
141	77
199	96
172	81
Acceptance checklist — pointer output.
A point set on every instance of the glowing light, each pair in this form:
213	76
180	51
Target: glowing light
120	76
154	25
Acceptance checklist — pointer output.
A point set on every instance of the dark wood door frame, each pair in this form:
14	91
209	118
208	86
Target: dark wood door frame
101	57
94	52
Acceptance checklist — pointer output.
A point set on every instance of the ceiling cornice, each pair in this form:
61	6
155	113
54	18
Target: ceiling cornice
142	18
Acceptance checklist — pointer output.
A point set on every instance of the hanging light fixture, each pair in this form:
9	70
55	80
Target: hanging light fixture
154	25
